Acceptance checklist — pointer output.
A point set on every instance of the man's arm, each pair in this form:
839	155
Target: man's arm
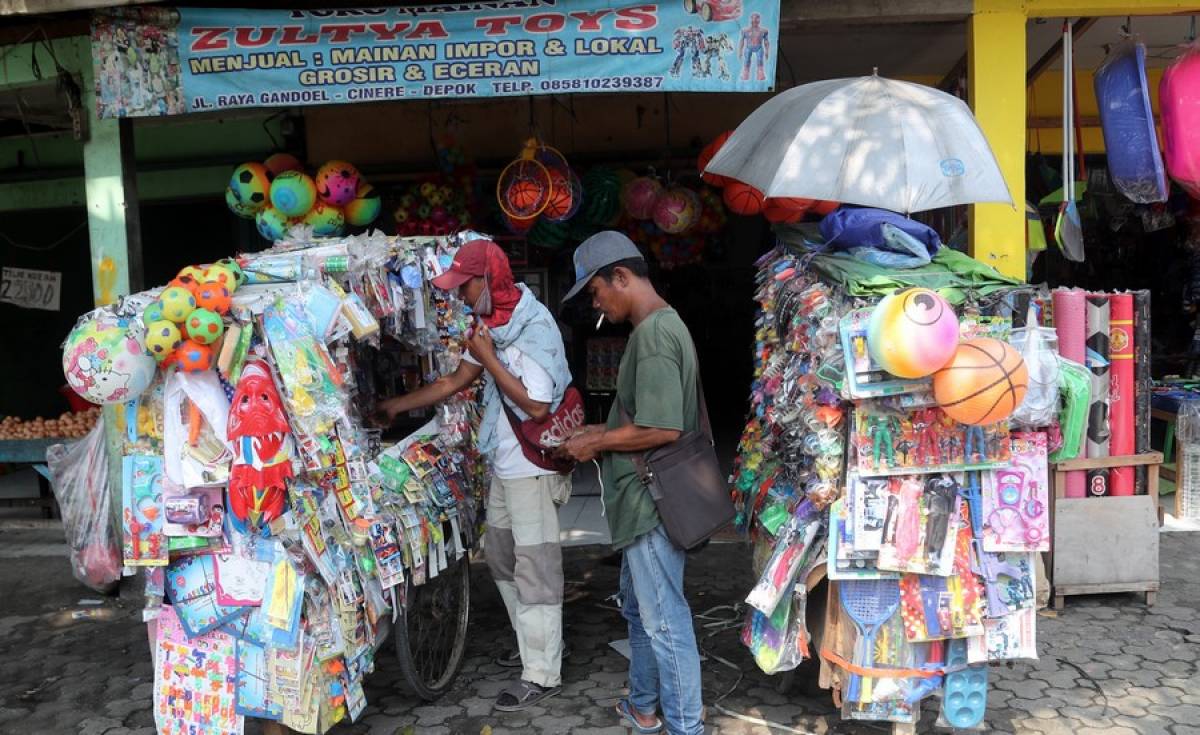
593	440
428	395
483	350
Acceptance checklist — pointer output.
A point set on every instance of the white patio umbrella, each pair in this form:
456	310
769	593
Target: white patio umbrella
869	141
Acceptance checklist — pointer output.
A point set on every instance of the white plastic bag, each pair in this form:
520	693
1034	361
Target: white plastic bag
207	461
1039	347
80	480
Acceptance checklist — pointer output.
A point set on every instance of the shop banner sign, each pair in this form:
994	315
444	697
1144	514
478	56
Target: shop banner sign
162	62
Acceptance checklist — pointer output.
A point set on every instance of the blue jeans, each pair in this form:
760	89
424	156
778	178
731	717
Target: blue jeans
664	667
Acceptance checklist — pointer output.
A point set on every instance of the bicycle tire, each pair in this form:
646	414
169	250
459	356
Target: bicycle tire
427	672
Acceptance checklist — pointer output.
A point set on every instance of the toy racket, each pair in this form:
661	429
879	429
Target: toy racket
869	603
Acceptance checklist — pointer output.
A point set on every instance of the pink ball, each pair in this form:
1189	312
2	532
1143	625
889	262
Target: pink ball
676	210
337	183
640	195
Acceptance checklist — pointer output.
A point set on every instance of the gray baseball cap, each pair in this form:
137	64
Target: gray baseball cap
603	248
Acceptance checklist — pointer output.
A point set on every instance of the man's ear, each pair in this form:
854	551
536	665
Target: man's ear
621	276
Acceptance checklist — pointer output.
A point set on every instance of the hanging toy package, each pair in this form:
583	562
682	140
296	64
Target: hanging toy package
1038	346
80	481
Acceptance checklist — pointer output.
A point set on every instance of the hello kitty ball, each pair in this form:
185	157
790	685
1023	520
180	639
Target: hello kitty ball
105	359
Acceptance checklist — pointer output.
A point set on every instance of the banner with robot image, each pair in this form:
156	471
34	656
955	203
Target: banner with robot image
205	59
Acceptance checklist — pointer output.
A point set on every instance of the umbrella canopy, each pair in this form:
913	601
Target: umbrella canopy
869	141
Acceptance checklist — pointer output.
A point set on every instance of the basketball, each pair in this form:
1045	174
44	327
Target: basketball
787	210
743	199
525	196
707	154
984	382
561	198
823	208
912	333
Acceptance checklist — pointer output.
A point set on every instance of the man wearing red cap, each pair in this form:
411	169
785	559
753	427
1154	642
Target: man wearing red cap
517	347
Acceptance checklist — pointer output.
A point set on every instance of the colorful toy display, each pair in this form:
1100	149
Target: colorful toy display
912	333
929	546
105	359
279	195
983	383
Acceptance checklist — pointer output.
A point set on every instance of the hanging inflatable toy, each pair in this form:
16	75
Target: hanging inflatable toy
277	163
912	333
272	224
337	183
676	210
293	193
250	186
639	196
105	359
365	206
263	446
326	220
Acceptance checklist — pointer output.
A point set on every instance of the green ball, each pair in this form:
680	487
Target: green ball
152	313
204	326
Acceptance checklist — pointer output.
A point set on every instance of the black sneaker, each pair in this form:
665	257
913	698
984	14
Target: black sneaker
523	695
513	659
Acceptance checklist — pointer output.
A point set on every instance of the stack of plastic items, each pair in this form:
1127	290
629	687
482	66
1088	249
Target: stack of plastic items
879	444
275	531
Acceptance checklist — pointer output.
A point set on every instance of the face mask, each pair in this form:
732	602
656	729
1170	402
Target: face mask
483	304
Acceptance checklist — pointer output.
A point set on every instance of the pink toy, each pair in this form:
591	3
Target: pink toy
337	183
640	195
1179	102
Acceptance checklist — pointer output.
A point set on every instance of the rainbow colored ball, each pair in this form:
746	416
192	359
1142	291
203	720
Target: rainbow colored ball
250	185
676	210
272	224
912	333
204	326
640	195
242	209
365	207
337	183
213	296
277	163
325	220
193	357
293	193
176	303
162	339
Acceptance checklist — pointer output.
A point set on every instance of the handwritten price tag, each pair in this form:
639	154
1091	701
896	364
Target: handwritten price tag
30	289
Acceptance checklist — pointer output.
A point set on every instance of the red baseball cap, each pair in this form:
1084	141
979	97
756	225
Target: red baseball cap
469	262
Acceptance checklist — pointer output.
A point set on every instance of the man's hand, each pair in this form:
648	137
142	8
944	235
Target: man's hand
386	412
480	345
584	446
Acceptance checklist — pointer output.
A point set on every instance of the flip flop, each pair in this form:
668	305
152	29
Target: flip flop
625	710
522	695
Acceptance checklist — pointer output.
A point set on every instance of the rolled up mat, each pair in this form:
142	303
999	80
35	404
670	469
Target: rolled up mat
1145	385
1098	432
1122	387
1070	323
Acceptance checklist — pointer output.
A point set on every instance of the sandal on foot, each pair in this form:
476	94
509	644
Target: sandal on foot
522	695
625	710
513	660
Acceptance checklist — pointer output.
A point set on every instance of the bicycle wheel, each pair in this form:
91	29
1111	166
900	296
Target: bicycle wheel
431	634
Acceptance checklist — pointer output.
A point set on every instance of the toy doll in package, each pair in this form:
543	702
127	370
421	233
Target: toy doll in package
891	442
921	525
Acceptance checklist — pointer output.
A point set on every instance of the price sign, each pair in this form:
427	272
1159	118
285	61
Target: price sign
30	289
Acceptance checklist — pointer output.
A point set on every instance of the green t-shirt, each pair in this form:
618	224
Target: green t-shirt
657	386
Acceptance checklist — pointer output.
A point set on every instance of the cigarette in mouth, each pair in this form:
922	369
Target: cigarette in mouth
599	321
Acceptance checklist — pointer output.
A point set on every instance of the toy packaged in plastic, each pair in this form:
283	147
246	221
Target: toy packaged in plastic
1016	499
923	440
1126	117
921	525
1179	102
80	482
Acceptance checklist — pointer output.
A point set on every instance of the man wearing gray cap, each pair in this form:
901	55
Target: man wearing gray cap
657	400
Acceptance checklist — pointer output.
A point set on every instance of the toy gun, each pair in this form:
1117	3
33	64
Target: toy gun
987	564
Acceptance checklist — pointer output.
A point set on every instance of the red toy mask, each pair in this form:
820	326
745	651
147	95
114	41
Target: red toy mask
262	441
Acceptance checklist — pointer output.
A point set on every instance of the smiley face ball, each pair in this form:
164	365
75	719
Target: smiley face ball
176	303
162	339
912	333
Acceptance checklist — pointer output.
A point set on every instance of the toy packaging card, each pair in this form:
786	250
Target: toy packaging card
1016	514
864	378
240	580
198	512
923	440
1010	637
142	515
1014	587
253	683
846	563
921	525
192	589
937	608
866	505
388	559
195	681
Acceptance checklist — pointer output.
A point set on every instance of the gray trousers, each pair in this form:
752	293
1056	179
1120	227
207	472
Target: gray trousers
525	558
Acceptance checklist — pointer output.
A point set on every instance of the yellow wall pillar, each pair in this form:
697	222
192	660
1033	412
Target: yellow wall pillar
996	80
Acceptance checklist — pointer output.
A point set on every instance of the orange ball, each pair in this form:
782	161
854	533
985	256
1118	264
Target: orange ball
707	155
786	209
525	196
823	208
193	357
741	198
214	296
983	383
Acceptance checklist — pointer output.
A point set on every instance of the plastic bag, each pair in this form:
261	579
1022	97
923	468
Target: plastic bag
1039	347
79	472
1075	387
